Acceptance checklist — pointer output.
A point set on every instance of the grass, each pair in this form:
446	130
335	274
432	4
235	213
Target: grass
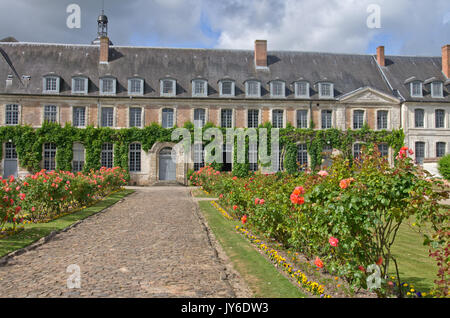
35	231
414	264
260	275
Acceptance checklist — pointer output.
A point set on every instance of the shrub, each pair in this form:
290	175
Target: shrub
444	167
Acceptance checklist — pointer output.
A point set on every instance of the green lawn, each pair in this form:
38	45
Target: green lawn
414	264
260	275
34	232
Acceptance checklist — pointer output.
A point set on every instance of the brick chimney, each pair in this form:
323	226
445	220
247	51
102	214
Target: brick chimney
104	50
380	56
261	53
446	60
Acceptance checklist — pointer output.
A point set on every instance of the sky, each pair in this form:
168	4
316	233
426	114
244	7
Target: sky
404	27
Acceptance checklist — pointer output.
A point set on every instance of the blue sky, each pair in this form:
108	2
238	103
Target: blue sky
407	27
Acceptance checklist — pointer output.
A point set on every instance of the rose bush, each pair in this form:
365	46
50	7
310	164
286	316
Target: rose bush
347	217
47	194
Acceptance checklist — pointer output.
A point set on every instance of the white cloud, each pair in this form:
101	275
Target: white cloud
408	26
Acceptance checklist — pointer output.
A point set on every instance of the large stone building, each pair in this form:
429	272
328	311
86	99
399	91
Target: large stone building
105	85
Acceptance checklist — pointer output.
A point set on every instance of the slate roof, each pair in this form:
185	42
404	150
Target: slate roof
348	72
400	69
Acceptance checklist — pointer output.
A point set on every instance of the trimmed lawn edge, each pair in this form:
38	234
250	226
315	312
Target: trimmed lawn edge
50	229
264	280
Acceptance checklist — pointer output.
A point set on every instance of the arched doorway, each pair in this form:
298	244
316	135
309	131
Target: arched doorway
10	167
167	167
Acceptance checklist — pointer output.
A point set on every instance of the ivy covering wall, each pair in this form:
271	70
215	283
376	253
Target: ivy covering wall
29	143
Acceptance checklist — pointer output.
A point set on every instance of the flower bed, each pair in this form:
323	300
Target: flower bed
346	219
47	195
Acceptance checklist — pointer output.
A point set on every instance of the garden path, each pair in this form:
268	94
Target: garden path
154	243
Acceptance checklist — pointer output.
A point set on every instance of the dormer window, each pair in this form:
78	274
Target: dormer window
108	86
51	84
416	89
135	86
226	88
302	90
199	88
277	89
79	85
437	90
253	88
326	90
168	87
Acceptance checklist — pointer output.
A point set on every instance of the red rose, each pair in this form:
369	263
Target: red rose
234	207
318	262
333	241
244	219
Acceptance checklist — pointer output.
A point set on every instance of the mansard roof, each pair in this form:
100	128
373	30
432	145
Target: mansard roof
348	72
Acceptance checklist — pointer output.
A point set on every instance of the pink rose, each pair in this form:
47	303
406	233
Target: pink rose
323	173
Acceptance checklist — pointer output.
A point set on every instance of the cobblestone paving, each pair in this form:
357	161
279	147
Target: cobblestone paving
152	244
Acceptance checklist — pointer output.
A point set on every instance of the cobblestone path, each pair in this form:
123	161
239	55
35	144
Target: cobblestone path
152	244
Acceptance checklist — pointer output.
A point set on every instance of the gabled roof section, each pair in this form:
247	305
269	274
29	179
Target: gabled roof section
400	69
368	95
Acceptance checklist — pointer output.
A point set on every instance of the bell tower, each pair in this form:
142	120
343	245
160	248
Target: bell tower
102	28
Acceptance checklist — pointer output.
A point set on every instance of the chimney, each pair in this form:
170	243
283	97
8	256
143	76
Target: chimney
446	60
380	56
261	53
104	50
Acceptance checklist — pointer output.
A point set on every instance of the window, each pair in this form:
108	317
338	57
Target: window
227	157
135	158
327	151
420	152
277	89
135	117
136	86
383	149
277	118
167	118
107	155
79	114
253	88
302	118
226	88
51	84
357	150
382	117
50	113
12	114
302	89
326	119
199	117
302	157
253	156
437	90
79	85
440	118
416	89
419	115
78	157
440	149
326	90
107	116
199	156
199	88
358	119
49	156
226	118
10	151
252	118
108	86
168	87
